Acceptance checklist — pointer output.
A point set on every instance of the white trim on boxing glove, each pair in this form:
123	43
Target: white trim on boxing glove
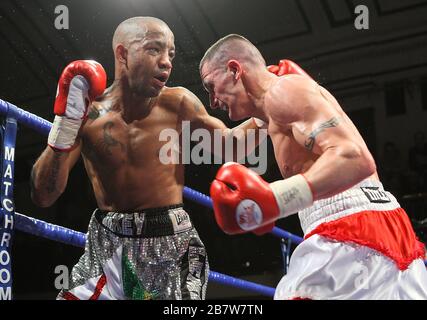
292	195
65	128
76	98
63	133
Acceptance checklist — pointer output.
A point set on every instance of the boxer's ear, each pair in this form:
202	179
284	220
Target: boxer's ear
121	54
236	68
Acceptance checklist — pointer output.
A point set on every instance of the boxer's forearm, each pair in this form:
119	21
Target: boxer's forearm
49	177
247	135
338	169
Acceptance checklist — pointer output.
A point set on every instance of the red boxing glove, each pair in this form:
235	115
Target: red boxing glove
93	82
287	67
80	83
243	201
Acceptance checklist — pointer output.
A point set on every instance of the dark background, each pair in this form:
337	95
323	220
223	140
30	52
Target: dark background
379	76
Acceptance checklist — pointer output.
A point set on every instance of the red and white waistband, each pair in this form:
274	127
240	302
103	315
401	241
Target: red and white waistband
366	195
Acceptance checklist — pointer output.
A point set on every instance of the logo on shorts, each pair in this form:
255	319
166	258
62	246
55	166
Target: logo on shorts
181	221
375	195
248	215
180	217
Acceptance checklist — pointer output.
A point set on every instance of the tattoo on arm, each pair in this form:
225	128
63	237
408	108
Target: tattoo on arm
53	176
309	143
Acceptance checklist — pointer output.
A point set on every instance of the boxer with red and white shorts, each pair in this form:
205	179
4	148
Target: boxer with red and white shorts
359	243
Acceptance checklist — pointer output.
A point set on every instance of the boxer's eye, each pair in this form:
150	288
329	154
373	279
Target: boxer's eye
154	50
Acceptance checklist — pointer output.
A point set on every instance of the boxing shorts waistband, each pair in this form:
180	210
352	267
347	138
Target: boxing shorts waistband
146	223
366	195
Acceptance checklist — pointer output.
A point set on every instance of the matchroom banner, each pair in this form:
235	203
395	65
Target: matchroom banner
7	208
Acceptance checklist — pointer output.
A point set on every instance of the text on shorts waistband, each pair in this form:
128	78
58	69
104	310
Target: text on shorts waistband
147	223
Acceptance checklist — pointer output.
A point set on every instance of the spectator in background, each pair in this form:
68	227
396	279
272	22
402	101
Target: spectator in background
391	168
418	160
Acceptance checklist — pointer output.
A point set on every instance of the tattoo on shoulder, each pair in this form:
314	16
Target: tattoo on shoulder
102	146
96	112
309	143
93	113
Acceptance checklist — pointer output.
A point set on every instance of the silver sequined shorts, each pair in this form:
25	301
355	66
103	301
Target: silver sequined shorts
152	254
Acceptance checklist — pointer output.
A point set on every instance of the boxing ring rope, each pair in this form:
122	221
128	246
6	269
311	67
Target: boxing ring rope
61	234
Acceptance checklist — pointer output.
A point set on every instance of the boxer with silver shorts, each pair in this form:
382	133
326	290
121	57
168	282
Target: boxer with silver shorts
140	242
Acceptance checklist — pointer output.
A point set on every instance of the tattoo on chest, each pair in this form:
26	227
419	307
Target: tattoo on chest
309	142
109	141
105	144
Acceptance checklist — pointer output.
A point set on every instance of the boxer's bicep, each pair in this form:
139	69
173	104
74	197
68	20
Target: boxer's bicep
342	161
319	126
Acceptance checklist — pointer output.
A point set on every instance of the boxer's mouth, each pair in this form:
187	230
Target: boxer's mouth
162	77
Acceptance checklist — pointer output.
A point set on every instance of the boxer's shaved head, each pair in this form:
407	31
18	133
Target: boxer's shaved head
233	46
143	52
136	29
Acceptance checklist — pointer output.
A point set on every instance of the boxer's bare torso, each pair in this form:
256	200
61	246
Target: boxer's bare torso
304	121
122	158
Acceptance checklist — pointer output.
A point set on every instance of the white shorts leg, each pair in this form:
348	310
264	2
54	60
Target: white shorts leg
325	269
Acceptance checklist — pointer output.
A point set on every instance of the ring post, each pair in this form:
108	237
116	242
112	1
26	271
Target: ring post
7	210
